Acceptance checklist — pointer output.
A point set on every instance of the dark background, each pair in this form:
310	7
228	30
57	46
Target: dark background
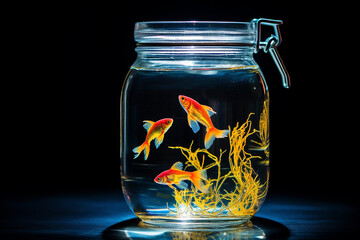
66	62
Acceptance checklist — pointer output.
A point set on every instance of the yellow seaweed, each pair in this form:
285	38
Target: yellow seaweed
246	189
263	132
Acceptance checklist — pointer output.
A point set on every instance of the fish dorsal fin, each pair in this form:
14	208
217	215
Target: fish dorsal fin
209	110
147	124
177	166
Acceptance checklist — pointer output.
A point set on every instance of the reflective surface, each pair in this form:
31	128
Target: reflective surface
100	214
258	228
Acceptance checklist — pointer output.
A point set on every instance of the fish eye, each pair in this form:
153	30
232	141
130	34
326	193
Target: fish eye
168	122
182	98
158	179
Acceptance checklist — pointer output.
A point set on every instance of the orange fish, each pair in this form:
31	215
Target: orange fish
176	176
201	113
155	130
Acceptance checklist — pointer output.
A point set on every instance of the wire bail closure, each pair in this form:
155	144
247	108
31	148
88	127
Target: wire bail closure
271	44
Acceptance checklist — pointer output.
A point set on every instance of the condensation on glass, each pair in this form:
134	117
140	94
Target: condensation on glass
195	122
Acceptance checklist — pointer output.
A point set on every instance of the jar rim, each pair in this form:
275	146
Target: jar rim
195	32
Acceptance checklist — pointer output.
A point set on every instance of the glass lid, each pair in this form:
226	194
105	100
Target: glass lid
208	32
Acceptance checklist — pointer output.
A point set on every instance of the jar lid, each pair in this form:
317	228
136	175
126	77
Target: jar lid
200	32
214	33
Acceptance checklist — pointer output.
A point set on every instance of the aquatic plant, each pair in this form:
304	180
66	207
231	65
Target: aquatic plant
263	133
247	190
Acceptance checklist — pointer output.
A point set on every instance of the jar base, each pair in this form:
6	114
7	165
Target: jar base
195	223
137	229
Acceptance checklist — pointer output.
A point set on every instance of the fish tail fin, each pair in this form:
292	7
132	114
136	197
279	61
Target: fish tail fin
145	146
138	150
197	178
213	133
147	150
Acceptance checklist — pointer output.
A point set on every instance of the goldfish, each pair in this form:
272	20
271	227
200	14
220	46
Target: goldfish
155	130
201	113
175	175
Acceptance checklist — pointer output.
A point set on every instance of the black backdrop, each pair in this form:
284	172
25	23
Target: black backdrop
66	62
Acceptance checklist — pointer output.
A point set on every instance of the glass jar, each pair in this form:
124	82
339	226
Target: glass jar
195	122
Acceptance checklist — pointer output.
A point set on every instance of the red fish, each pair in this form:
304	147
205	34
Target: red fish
175	175
155	130
201	113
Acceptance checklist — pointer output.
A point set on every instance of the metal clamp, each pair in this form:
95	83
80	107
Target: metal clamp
271	44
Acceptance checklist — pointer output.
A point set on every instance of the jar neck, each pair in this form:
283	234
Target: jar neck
193	57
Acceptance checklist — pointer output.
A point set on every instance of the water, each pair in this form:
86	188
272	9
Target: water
237	185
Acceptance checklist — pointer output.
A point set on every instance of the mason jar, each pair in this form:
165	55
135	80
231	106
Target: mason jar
195	122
